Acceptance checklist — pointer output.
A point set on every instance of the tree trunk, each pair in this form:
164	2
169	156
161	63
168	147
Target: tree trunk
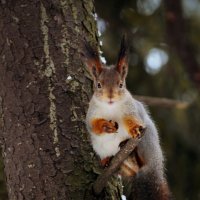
44	94
177	35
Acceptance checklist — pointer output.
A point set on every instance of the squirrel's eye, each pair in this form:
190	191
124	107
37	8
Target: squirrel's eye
120	85
99	85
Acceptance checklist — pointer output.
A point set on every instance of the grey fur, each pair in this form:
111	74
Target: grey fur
124	104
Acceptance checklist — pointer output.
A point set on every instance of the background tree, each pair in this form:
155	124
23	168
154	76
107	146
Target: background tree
44	92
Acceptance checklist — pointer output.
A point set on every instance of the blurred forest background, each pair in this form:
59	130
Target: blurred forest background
164	38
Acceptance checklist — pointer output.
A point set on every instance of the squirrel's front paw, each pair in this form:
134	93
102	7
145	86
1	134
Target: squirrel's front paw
105	162
137	131
110	126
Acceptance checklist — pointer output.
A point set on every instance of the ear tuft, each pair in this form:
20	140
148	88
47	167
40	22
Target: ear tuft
122	62
91	59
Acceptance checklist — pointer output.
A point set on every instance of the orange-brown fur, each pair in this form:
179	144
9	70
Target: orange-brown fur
100	126
129	167
164	190
132	164
105	162
139	159
132	125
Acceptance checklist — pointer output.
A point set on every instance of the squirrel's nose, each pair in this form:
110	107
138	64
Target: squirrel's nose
110	94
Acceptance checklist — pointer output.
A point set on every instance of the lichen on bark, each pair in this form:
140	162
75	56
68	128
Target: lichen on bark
45	139
49	72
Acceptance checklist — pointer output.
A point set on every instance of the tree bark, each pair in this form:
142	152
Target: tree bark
44	94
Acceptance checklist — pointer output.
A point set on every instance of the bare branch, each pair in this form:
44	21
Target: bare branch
162	102
125	151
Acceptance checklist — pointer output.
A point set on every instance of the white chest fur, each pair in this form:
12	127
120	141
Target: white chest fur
107	144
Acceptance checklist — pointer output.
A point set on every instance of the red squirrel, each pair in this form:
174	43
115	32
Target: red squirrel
115	116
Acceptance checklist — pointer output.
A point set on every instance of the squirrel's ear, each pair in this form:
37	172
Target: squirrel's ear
92	61
122	62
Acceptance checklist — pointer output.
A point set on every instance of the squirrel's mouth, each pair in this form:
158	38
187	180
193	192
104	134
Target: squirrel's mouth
110	102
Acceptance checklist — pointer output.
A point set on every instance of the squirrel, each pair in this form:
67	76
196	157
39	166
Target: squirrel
114	116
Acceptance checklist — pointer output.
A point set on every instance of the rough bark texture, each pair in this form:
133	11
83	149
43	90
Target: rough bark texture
43	99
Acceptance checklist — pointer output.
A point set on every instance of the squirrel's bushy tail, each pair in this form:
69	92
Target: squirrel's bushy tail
147	186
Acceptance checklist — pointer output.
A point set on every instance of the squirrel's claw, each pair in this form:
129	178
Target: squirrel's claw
110	127
137	132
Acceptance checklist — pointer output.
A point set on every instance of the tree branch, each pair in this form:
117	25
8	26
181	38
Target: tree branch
162	102
117	160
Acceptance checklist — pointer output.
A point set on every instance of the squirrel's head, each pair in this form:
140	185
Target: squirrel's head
109	81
